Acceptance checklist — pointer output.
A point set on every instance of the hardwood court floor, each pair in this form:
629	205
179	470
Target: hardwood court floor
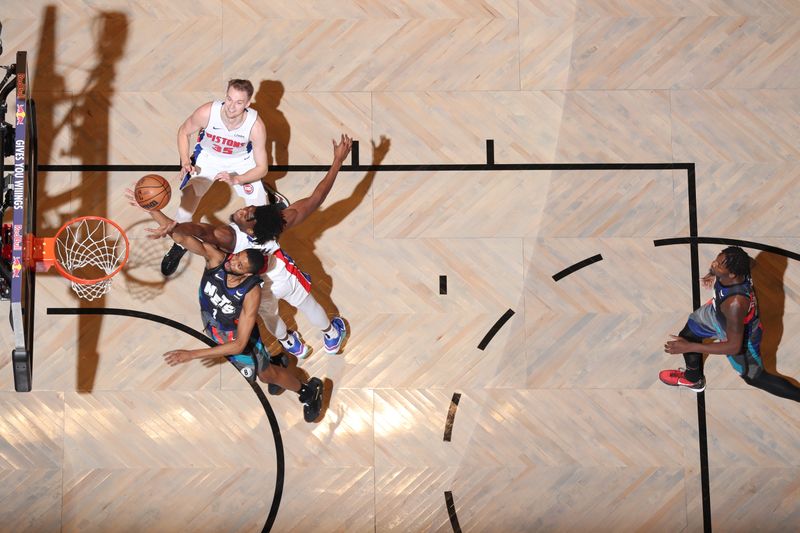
562	424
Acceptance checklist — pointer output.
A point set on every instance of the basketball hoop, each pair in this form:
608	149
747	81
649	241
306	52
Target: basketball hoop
88	251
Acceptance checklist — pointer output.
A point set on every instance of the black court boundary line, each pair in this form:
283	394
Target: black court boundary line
273	421
451	416
491	166
446	167
702	428
451	511
733	242
577	266
494	329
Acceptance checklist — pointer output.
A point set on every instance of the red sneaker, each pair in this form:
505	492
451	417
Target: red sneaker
677	378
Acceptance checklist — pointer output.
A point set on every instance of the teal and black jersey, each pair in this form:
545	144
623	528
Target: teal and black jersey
708	322
220	305
723	292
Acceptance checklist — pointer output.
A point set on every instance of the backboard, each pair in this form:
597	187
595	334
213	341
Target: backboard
23	280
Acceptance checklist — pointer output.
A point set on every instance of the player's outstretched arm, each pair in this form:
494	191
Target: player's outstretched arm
223	237
165	224
213	255
247	321
301	209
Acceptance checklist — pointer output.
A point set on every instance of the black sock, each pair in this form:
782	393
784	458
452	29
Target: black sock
693	374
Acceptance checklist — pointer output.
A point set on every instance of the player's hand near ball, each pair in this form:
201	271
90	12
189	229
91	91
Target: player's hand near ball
166	224
164	230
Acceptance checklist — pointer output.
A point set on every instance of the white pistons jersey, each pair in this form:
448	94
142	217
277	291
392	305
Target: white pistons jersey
216	139
287	281
245	241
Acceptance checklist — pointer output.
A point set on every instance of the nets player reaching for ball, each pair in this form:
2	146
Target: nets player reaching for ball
230	293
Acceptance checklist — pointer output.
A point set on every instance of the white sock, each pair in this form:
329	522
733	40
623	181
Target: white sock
287	341
331	332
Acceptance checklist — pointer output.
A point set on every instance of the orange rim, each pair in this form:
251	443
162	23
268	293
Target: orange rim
84	281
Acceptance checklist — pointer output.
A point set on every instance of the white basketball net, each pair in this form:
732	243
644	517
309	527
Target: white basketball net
91	244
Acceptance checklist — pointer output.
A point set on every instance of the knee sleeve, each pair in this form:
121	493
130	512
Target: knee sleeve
314	312
268	311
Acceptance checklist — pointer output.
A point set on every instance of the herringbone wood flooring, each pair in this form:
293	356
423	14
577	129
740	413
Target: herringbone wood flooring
562	424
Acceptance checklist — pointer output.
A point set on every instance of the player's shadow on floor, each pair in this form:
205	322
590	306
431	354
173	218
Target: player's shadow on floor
266	102
299	242
768	273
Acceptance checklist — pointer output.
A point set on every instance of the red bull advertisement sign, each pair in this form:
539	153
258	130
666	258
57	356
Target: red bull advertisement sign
20	145
22	85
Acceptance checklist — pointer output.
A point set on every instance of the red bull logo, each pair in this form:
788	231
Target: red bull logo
16	268
21	86
20	114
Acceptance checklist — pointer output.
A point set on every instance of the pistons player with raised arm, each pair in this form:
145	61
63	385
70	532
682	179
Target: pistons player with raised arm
230	147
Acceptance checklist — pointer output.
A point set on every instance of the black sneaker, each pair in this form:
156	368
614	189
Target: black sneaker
313	405
281	360
172	259
274	197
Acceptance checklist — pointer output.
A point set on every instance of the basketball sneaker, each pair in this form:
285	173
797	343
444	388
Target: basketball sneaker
281	360
295	345
274	197
332	345
677	378
312	399
172	259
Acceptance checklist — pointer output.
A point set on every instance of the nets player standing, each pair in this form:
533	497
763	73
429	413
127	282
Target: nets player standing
730	318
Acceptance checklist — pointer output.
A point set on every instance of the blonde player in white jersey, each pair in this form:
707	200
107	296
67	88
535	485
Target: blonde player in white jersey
230	147
286	281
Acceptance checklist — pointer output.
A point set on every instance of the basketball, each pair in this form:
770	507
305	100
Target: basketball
152	192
